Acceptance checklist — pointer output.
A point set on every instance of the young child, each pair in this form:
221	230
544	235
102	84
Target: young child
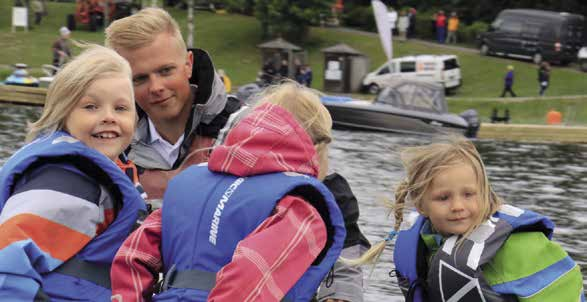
255	224
65	205
466	245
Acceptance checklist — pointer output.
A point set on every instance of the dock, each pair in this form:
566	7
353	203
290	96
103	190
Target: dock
533	133
22	95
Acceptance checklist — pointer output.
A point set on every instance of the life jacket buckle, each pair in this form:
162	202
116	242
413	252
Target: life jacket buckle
168	278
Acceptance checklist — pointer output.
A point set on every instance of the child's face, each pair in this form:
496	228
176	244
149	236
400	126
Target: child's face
452	201
104	118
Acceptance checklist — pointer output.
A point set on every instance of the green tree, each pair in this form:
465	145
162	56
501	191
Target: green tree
290	18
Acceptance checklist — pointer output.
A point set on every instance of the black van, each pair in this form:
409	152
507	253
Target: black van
534	34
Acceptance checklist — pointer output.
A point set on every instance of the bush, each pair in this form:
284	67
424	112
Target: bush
246	7
469	33
359	17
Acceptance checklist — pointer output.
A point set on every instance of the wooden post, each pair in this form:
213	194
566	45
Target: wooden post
190	25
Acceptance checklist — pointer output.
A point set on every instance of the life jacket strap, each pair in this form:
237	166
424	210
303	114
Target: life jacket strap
191	279
95	273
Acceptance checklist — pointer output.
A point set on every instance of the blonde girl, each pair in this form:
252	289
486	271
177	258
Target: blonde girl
65	205
466	245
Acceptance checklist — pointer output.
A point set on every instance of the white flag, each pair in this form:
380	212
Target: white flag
382	21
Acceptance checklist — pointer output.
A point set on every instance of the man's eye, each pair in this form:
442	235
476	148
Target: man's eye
139	80
166	70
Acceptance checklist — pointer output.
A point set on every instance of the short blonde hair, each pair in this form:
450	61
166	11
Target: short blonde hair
141	29
70	84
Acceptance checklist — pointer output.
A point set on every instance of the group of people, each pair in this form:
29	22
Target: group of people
249	212
270	75
445	30
406	23
543	80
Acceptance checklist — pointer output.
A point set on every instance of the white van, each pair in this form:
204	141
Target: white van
441	69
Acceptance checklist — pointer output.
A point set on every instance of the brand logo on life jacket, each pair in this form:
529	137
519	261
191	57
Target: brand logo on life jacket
220	207
458	286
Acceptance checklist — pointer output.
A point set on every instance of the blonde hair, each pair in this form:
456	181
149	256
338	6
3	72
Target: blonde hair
304	104
141	29
70	84
422	164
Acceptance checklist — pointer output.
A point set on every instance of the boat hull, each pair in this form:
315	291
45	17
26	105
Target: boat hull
375	118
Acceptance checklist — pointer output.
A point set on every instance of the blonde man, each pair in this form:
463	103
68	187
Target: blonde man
178	121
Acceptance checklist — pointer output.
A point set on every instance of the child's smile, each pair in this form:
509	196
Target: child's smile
104	117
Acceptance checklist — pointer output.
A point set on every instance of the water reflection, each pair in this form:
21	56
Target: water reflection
547	178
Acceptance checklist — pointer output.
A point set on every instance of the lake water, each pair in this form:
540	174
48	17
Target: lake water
547	178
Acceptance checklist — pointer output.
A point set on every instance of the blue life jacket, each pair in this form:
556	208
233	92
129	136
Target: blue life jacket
453	268
85	272
206	214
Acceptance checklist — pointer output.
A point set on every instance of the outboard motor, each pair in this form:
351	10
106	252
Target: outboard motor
472	118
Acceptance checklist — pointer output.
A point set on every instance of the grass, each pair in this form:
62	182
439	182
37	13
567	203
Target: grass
232	39
532	111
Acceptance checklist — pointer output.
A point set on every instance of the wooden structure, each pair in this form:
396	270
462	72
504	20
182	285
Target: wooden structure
22	95
275	51
533	133
344	68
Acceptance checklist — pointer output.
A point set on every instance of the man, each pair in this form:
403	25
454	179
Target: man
61	49
178	122
453	27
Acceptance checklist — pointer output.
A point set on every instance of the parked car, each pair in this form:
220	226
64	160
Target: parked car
582	56
534	34
441	69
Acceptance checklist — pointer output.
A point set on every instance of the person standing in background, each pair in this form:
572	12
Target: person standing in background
403	24
453	27
440	27
412	27
392	17
38	10
543	77
508	82
61	49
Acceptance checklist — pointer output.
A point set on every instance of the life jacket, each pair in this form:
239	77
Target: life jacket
201	227
129	168
92	263
455	270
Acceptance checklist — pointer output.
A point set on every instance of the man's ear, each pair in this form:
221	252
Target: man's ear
189	63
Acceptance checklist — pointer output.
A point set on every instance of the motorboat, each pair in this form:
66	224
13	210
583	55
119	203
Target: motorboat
21	77
406	106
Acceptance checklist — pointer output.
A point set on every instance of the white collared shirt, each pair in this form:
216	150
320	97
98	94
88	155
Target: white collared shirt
168	151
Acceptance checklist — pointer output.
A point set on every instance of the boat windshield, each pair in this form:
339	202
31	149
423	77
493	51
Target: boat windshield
414	96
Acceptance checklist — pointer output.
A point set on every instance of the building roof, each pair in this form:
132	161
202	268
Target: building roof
279	43
341	48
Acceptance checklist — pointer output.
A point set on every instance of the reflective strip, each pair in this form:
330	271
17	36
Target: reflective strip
471	285
511	210
533	284
449	244
73	212
475	255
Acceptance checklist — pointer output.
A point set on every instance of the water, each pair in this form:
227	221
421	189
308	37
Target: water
547	178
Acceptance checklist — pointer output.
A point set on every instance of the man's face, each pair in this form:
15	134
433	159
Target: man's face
161	73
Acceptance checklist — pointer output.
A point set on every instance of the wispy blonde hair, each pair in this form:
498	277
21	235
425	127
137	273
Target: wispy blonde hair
141	29
422	164
71	83
304	104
